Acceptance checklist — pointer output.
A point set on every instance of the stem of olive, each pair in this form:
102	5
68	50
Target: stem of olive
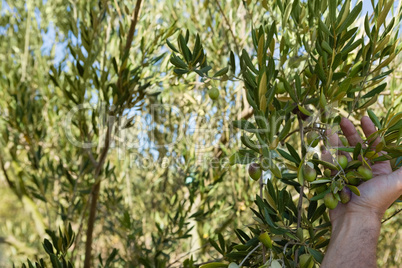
261	188
300	204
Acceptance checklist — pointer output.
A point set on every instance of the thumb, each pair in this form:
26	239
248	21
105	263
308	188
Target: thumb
395	181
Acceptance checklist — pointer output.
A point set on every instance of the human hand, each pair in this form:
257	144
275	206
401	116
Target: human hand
356	225
378	193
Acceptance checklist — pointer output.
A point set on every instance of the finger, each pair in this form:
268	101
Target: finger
369	129
395	183
382	167
350	132
327	157
333	138
334	141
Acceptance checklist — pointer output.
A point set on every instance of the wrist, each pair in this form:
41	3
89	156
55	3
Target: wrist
354	237
353	220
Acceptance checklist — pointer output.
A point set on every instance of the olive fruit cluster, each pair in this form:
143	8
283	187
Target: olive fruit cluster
331	201
343	180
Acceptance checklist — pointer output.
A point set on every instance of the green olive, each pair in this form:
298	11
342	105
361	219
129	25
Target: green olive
312	139
309	173
330	201
343	161
345	195
327	172
365	173
213	93
254	170
344	141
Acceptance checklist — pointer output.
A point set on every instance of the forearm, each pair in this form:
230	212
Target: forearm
353	242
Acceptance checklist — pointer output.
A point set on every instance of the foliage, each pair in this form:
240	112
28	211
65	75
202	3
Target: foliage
108	134
332	68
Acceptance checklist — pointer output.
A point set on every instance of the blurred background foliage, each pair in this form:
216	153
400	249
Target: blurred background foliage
163	194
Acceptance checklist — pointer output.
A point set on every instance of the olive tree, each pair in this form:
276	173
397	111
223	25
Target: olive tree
310	65
118	137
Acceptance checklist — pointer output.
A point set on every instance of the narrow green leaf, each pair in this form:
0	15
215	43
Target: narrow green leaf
351	17
286	14
184	49
215	245
374	118
287	156
325	164
180	71
324	28
214	265
318	256
354	189
116	69
320	181
172	47
221	72
293	152
304	110
320	195
326	47
332	10
176	61
375	91
367	26
232	62
248	61
357	151
383	14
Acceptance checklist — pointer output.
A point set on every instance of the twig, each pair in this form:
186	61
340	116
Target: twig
96	186
202	263
118	10
249	254
230	28
93	160
26	45
130	37
94	200
134	20
300	204
91	157
393	215
261	187
9	182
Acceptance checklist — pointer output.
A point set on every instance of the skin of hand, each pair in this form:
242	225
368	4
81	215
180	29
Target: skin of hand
356	225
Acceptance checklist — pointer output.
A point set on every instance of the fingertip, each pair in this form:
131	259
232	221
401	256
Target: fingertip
326	156
350	132
367	123
368	126
344	121
347	126
366	120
